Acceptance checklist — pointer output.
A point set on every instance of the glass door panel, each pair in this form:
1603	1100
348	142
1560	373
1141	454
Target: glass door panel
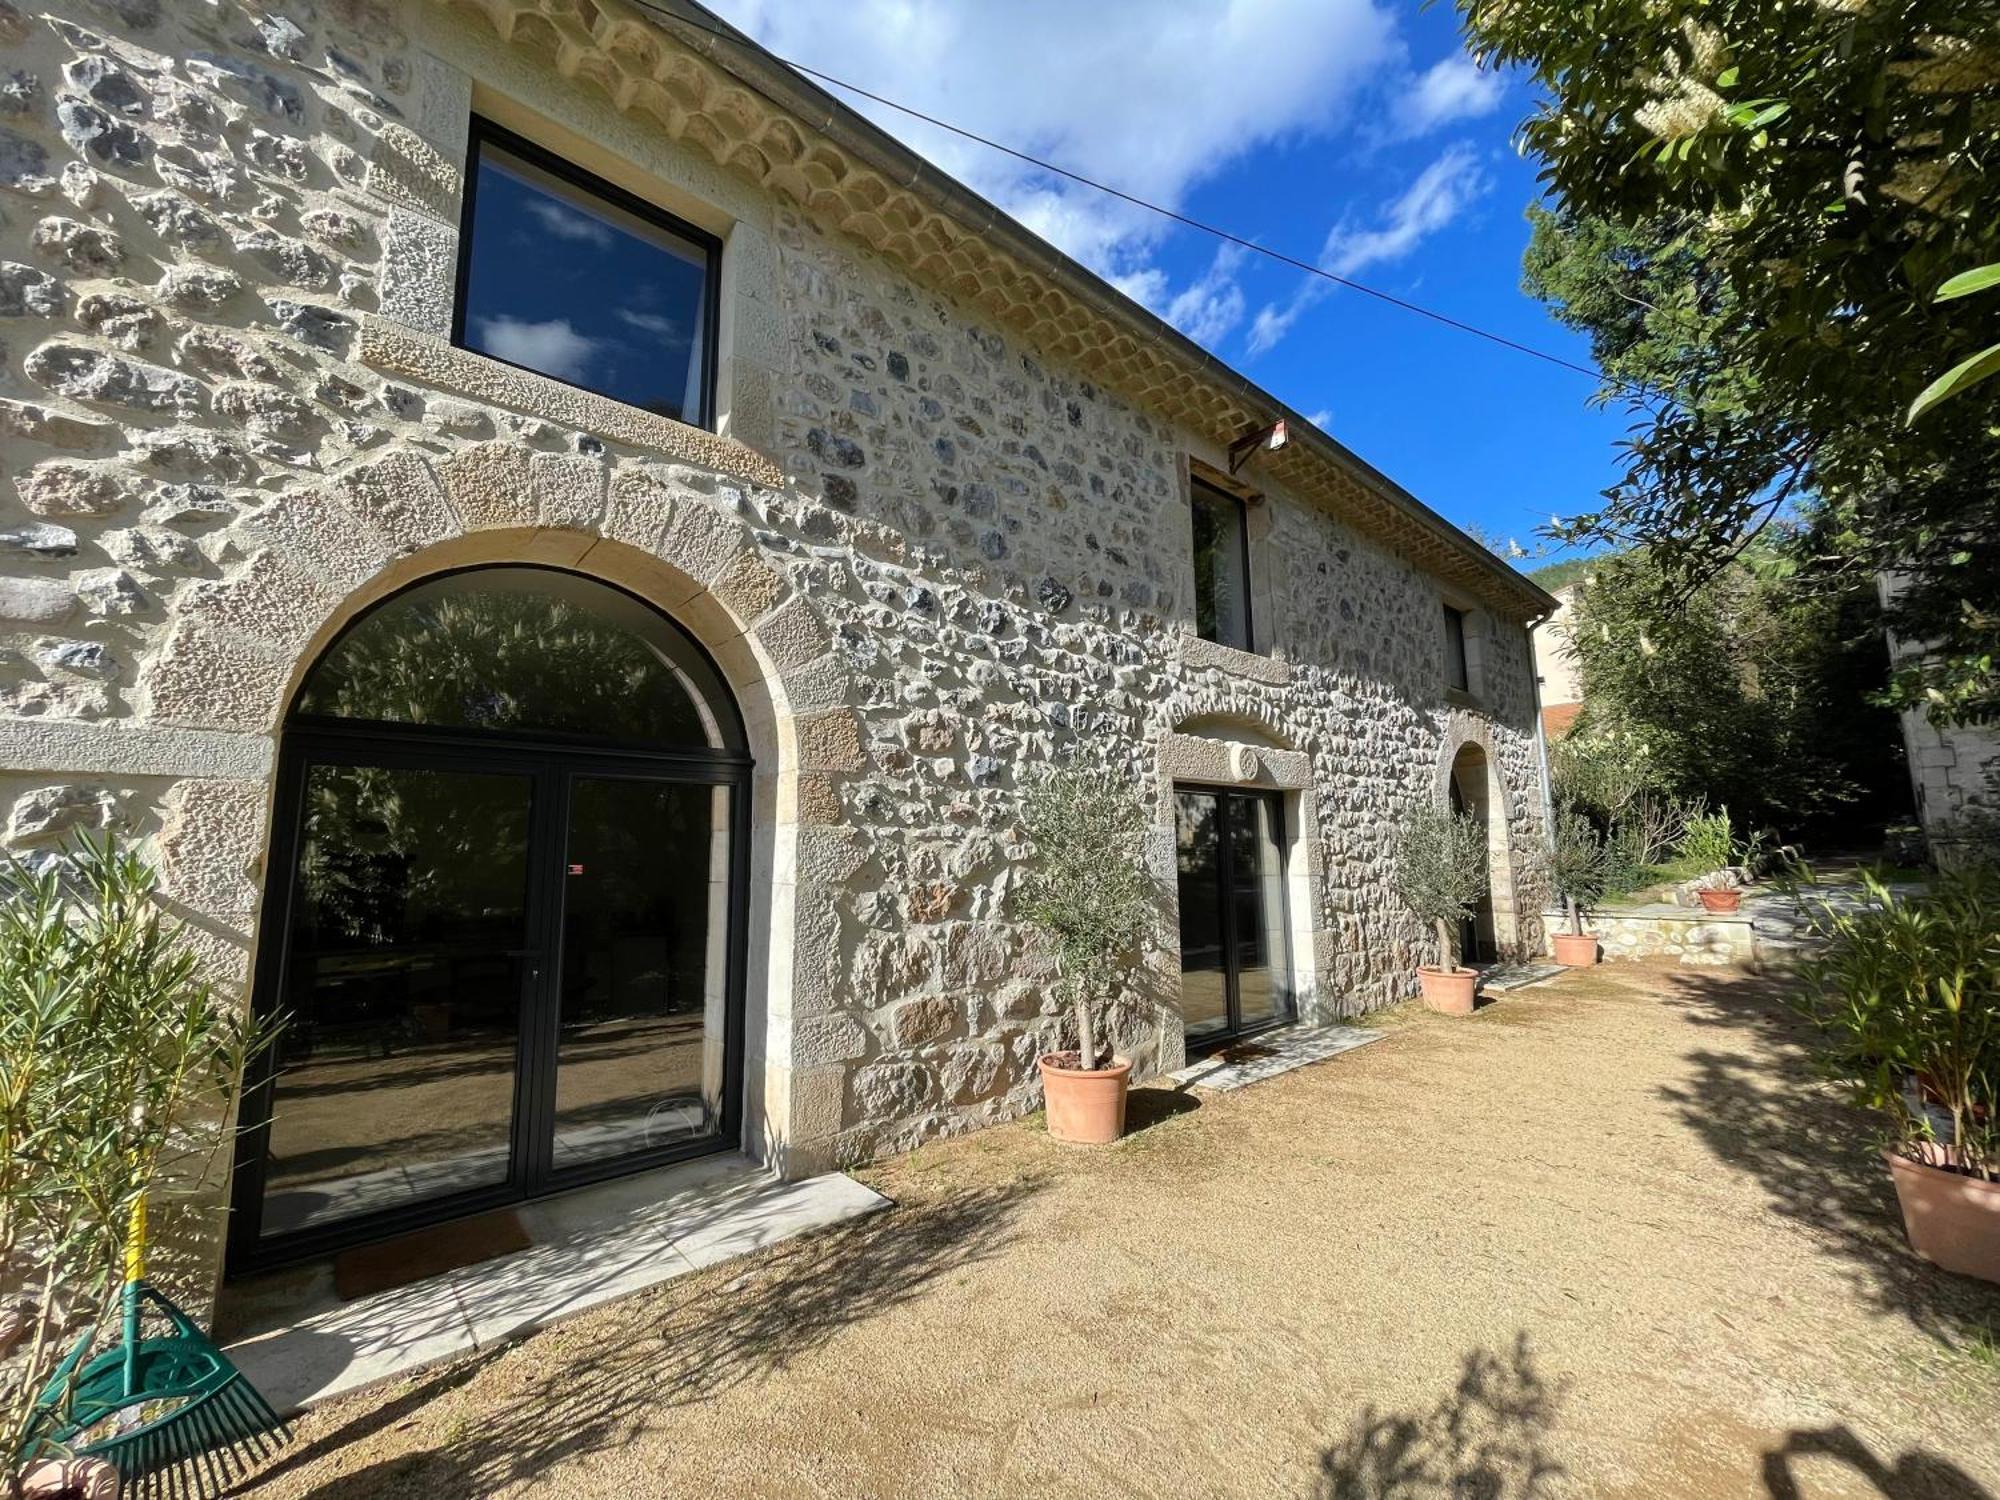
402	993
1257	889
644	960
1204	975
1235	956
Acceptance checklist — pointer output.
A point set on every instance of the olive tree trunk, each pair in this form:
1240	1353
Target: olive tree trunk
1447	958
1086	1032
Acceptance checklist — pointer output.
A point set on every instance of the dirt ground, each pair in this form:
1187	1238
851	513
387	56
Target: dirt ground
1607	1237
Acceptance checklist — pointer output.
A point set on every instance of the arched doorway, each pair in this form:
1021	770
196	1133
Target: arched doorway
503	919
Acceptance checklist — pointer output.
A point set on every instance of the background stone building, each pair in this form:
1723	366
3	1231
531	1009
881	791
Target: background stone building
945	510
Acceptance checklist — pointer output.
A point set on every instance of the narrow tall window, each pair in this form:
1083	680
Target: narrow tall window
1221	568
1456	672
566	275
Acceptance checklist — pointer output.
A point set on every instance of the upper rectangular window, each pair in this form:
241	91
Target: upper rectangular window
1457	673
562	273
1221	567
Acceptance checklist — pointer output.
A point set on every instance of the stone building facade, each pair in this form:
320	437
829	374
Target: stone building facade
935	538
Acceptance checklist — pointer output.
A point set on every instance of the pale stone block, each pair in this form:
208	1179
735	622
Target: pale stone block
211	678
829	742
748	587
269	598
400	497
419	272
640	510
211	845
792	636
406	170
489	485
569	489
701	542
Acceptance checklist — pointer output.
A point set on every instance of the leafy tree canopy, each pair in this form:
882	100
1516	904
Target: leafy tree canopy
1754	694
1756	203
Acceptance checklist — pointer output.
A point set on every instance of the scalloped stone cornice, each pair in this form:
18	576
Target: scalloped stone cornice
757	118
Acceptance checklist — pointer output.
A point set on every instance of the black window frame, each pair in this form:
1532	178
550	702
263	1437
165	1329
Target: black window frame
485	131
1196	485
1457	659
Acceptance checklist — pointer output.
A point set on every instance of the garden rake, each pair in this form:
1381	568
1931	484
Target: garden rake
214	1426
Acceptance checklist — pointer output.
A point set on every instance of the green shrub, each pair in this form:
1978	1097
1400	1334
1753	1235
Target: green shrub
118	1067
1441	870
1906	999
1707	842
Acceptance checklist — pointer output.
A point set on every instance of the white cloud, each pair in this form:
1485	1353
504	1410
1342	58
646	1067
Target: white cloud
568	224
653	323
1451	89
1442	191
1206	309
1152	99
555	347
1322	419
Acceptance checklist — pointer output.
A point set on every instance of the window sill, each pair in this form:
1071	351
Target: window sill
396	350
1196	652
1459	698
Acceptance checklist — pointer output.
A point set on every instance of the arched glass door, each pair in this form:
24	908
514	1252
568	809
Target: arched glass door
504	920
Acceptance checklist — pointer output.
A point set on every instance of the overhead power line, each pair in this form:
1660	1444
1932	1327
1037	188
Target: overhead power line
1201	226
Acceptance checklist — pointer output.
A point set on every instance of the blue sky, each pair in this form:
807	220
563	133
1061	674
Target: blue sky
1353	133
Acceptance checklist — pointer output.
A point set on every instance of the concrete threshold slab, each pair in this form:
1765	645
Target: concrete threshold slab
1498	979
591	1246
1270	1053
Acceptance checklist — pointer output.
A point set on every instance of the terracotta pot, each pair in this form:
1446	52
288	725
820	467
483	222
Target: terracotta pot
69	1479
1448	990
1953	1221
1576	950
1721	901
1086	1105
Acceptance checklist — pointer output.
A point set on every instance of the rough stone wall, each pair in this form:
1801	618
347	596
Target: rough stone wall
942	561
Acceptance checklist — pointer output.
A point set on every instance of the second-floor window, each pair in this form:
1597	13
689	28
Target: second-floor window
1457	672
1221	567
564	274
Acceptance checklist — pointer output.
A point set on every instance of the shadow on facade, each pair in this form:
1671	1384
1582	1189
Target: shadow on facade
1769	1115
682	1345
1485	1439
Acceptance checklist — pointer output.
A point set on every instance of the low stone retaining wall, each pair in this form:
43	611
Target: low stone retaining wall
1686	935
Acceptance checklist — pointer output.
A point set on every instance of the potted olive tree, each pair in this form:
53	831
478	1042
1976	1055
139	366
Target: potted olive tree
1090	894
1441	874
1906	998
1579	865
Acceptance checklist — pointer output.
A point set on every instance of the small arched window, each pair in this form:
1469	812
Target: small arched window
528	651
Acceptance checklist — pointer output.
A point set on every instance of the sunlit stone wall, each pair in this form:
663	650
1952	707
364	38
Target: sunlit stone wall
930	559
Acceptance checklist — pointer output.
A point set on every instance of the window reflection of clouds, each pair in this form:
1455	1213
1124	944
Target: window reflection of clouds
553	347
578	288
567	224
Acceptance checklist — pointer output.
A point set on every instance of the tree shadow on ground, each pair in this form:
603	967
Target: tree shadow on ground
1768	1114
1915	1475
688	1342
1483	1441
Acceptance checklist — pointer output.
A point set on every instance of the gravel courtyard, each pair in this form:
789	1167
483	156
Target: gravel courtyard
1607	1237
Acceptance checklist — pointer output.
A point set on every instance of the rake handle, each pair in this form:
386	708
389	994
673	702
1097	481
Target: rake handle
135	1272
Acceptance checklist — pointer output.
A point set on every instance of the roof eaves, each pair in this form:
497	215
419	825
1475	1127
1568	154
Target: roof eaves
745	58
